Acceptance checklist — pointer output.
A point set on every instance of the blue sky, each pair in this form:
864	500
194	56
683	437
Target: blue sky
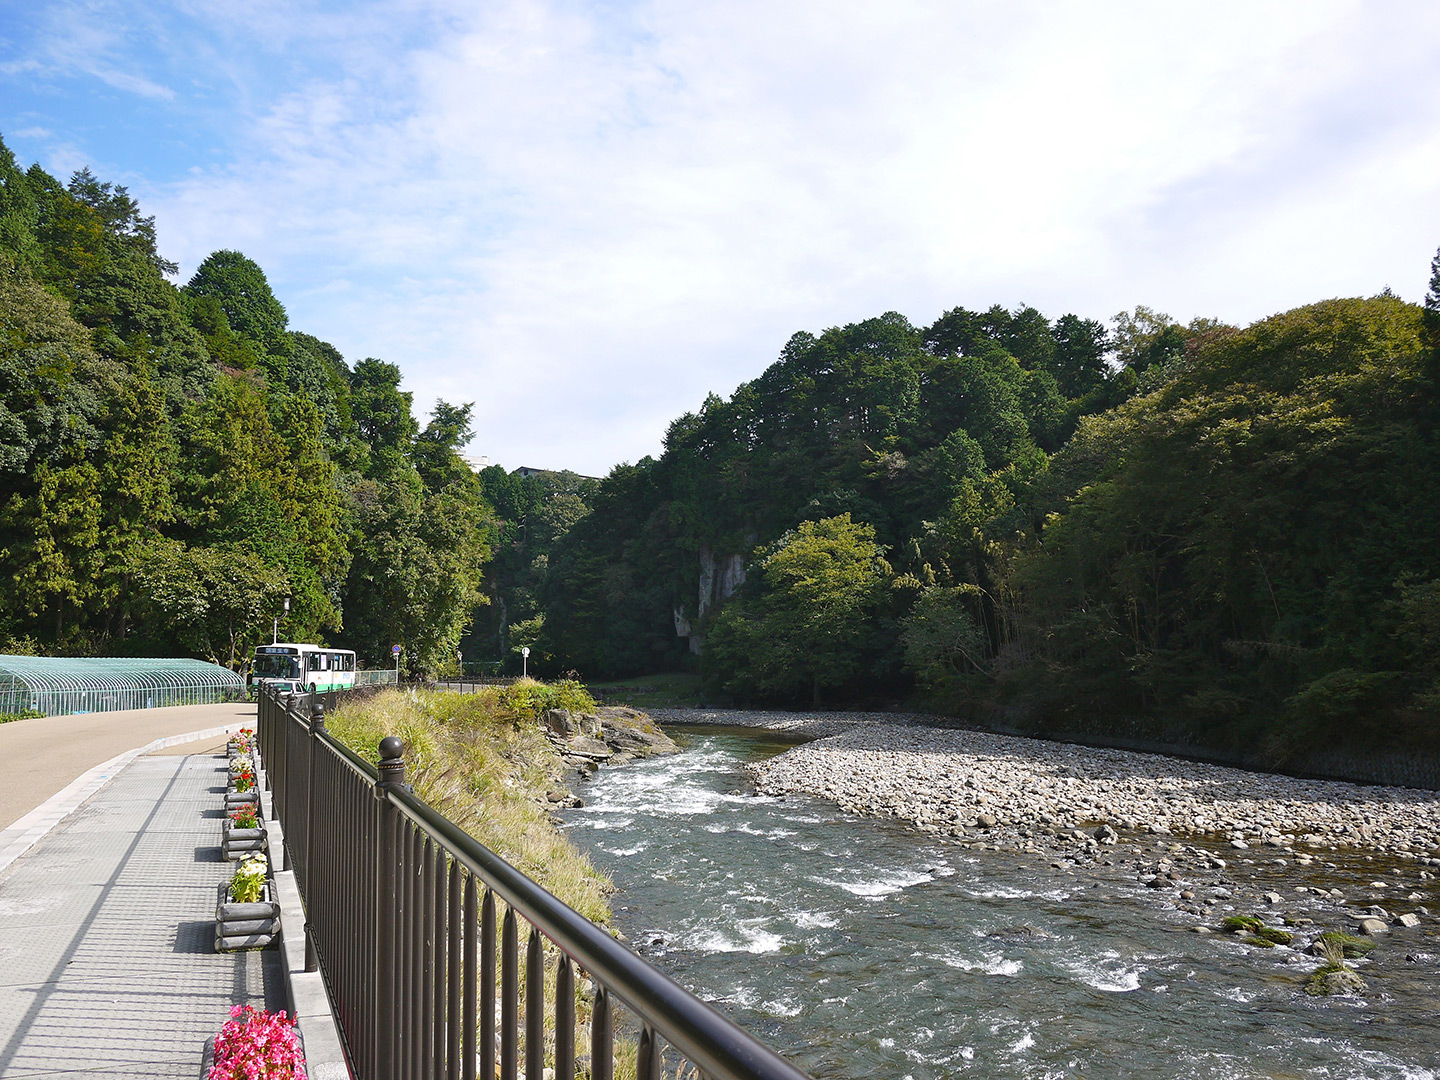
584	217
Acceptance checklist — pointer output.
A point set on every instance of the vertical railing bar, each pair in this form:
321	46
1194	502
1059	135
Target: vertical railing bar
452	1007
487	988
472	952
602	1052
509	998
425	956
439	975
412	948
565	1019
646	1056
534	1008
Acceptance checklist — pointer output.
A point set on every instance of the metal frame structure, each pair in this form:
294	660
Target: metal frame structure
55	686
416	927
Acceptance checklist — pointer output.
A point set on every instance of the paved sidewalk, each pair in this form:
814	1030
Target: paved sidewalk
106	932
42	756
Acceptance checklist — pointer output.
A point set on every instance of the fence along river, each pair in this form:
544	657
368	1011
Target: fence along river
863	949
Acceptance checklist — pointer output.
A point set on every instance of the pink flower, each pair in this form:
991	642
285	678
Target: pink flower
257	1045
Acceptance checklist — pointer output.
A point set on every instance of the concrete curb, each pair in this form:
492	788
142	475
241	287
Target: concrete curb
20	837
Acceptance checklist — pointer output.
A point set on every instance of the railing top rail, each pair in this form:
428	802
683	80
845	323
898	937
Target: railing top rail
709	1039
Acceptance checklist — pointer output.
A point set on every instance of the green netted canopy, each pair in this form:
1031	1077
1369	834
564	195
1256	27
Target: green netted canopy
57	685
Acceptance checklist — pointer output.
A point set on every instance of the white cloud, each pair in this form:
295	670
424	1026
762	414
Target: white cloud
584	218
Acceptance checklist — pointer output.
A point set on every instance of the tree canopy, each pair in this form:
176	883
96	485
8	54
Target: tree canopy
174	463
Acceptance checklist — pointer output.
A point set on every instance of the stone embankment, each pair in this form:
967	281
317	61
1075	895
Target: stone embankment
1188	828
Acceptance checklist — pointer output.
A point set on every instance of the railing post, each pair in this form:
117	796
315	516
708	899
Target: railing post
391	776
317	725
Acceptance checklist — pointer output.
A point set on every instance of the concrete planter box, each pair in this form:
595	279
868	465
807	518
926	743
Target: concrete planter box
235	798
238	843
245	926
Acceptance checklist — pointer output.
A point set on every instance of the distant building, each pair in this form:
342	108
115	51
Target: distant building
476	463
526	470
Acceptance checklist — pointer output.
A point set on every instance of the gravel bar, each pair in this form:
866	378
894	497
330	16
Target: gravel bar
1172	824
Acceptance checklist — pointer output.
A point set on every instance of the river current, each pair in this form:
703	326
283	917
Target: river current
864	949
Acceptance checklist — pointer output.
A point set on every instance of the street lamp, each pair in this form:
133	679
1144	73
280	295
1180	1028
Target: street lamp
524	659
275	630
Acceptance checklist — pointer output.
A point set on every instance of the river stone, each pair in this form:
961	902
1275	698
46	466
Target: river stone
1373	927
986	821
585	747
558	721
1408	919
1343	981
588	724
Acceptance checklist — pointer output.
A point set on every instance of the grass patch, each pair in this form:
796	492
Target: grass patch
667	690
1335	945
481	760
1266	937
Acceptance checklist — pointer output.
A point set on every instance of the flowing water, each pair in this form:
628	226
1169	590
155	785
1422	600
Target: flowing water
863	949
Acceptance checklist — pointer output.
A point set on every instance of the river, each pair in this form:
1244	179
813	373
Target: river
864	949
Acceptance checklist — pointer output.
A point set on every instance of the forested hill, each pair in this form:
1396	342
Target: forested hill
175	462
1204	535
1201	534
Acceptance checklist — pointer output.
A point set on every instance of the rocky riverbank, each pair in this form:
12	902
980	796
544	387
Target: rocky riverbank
609	736
1209	839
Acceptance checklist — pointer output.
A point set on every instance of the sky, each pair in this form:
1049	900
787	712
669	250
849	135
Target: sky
584	217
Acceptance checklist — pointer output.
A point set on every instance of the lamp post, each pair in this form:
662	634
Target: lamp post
275	630
524	661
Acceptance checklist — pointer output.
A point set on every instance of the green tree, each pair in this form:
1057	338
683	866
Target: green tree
418	560
251	309
382	415
217	602
944	642
809	627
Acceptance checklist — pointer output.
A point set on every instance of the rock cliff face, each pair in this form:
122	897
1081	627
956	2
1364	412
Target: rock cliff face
720	576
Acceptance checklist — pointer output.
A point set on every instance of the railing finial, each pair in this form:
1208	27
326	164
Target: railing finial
392	764
317	716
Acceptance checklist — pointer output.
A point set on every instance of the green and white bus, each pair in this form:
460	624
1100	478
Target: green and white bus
302	668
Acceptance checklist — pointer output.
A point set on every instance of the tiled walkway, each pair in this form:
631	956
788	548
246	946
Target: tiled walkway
106	933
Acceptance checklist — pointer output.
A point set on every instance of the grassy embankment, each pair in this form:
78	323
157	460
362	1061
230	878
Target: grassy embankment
481	760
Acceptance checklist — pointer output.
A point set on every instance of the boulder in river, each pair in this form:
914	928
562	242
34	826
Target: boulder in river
1335	979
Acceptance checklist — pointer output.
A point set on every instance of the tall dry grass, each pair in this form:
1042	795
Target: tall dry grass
481	760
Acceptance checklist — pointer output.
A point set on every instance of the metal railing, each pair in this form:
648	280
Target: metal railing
416	928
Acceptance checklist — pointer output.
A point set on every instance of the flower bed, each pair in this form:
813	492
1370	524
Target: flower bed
243	832
246	914
257	1045
241	744
242	787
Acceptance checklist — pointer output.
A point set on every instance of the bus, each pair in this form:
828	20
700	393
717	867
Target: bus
312	669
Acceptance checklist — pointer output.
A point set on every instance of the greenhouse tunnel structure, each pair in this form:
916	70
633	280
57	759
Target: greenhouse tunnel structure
54	686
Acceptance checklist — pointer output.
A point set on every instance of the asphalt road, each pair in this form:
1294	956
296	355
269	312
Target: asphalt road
39	757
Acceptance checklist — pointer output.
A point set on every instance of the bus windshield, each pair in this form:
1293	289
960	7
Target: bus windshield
270	666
